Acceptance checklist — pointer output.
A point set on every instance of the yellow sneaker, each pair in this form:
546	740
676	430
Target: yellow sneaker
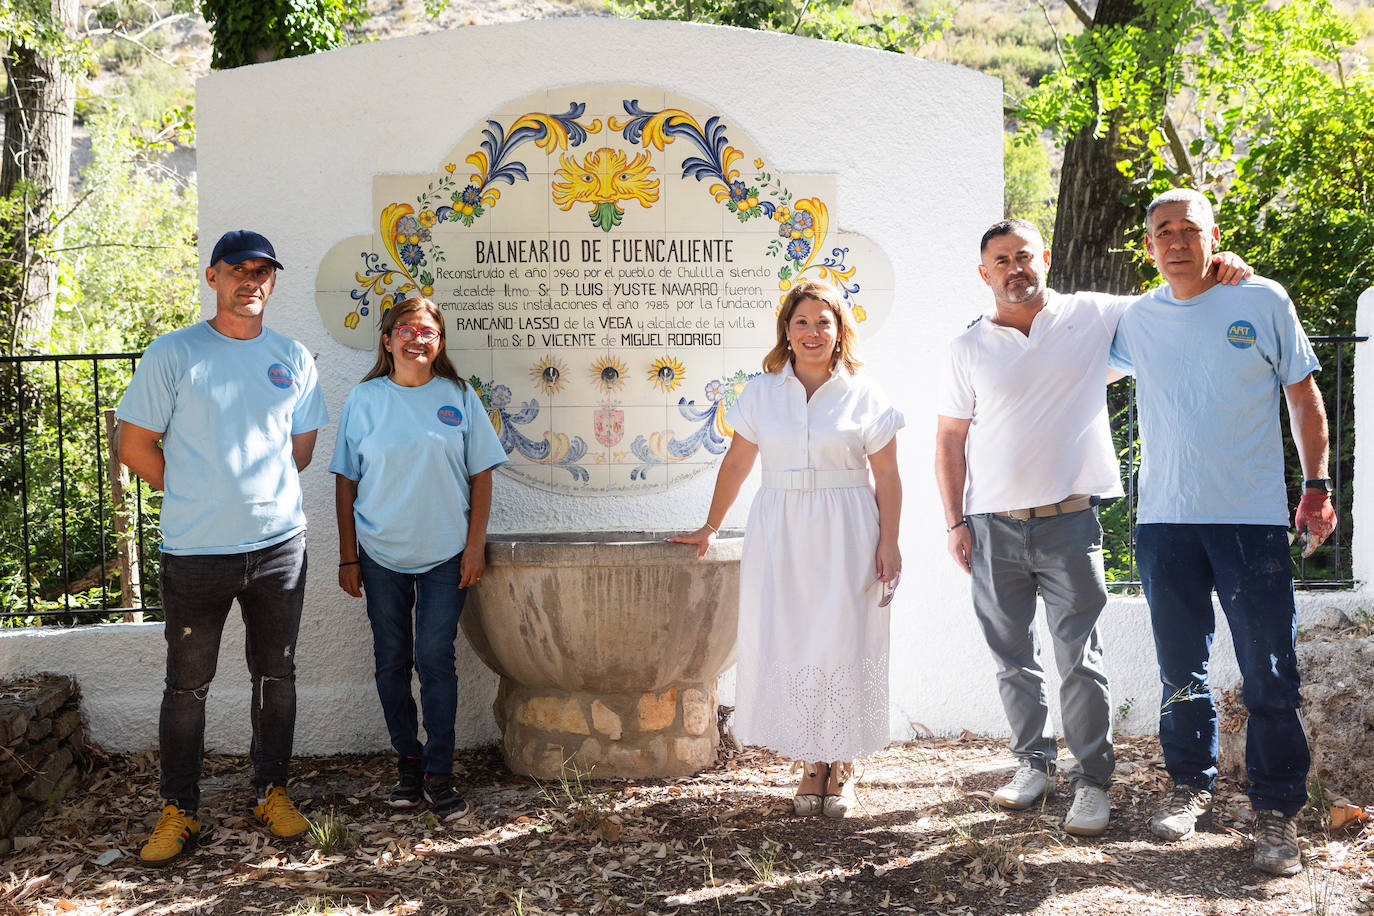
279	815
176	832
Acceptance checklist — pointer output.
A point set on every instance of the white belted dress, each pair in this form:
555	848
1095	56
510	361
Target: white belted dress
813	643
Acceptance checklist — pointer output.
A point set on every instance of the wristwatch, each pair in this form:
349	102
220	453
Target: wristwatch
1320	483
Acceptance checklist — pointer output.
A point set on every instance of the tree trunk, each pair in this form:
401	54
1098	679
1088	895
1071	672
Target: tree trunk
39	100
1091	222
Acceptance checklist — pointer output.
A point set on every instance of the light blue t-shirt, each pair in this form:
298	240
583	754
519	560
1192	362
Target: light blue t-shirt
411	451
1209	373
227	410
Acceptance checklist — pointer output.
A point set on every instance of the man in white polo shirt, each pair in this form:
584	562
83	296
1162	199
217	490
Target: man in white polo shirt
1023	454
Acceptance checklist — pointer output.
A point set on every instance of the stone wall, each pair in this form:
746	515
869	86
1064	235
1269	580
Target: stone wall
41	741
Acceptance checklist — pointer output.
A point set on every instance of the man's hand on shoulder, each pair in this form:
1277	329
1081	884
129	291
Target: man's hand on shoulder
1230	268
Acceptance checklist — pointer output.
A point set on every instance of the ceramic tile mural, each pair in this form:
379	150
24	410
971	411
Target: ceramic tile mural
610	267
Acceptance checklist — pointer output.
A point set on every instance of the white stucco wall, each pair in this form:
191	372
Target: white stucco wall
288	148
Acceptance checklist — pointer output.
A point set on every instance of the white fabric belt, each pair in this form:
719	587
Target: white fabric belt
808	479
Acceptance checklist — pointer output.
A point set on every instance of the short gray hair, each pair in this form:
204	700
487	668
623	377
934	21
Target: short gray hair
1180	196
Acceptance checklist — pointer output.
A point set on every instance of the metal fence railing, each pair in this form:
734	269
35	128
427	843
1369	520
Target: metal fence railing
1331	565
77	532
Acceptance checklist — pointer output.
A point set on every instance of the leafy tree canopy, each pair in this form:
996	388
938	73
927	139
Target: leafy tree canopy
253	31
832	20
1265	109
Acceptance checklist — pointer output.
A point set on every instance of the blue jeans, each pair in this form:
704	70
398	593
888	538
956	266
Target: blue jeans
1251	569
437	602
197	595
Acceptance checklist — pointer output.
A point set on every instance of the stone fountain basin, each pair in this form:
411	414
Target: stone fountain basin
608	645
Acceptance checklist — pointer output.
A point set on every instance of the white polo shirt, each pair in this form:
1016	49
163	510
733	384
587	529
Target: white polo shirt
1038	404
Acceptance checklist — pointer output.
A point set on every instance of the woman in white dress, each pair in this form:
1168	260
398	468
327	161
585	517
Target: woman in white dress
820	554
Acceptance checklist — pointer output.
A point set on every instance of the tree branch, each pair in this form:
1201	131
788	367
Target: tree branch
1077	9
1182	163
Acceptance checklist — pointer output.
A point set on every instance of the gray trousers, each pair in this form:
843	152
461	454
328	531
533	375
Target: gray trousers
1062	557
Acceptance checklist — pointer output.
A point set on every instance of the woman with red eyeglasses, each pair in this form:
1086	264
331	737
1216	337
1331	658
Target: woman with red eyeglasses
412	465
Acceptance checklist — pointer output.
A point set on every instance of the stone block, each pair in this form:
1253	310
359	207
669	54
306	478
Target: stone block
14	722
657	752
606	720
553	714
694	753
39	729
51	693
10	809
549	763
657	710
589	755
697	712
50	772
627	761
67	720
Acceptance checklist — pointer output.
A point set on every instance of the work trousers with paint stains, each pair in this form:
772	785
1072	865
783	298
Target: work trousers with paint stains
1250	566
197	595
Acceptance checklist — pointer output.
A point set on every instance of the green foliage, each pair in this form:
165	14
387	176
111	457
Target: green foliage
1029	190
129	274
251	31
131	244
832	20
29	24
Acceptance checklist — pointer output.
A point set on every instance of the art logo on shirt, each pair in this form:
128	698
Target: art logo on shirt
450	415
1241	334
279	375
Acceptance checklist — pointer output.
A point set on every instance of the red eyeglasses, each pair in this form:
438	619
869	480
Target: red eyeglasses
407	333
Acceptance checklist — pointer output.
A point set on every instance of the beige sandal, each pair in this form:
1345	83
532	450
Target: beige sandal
839	789
811	789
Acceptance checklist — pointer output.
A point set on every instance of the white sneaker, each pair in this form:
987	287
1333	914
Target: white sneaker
1089	813
1027	787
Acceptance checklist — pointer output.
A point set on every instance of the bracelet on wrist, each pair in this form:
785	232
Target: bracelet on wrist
712	527
962	523
350	563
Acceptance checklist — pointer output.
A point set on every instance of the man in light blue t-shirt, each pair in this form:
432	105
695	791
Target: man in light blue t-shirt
1210	362
222	416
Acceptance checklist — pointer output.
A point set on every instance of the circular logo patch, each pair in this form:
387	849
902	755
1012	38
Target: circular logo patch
279	375
1241	334
450	416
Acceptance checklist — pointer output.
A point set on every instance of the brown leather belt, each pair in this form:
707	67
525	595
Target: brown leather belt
1064	507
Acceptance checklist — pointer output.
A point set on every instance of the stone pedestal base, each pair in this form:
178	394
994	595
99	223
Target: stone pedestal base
671	732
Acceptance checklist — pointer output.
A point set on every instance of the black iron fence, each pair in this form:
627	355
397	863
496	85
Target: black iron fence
76	529
80	538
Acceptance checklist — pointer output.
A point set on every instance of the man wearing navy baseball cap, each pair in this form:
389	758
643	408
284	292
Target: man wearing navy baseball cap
236	407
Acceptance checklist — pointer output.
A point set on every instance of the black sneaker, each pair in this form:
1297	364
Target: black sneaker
448	805
410	780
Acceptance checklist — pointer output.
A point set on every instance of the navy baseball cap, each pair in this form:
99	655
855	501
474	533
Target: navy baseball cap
238	245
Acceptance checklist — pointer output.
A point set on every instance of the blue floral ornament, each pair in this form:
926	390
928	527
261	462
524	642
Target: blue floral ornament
412	254
408	225
738	192
798	249
715	390
500	396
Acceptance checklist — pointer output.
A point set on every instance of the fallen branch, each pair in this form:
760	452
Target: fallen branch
330	889
469	857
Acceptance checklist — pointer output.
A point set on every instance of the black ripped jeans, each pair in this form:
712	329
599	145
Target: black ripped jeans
197	594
